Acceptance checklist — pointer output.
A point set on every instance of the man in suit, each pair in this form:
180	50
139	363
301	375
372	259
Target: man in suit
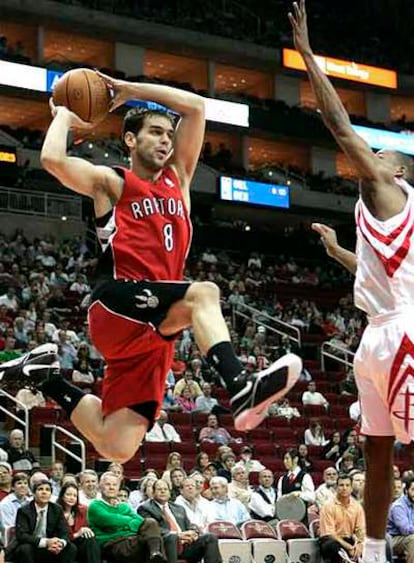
180	536
41	532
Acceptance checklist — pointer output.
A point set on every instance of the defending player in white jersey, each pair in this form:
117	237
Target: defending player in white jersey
384	289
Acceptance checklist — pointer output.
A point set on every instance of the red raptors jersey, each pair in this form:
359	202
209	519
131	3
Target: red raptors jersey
147	234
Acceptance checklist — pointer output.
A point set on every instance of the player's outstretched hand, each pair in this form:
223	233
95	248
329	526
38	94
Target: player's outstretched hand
76	123
328	238
299	24
119	90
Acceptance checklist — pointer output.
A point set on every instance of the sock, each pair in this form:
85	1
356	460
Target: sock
63	392
374	550
222	357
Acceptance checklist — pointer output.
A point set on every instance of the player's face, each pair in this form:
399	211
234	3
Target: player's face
390	159
154	142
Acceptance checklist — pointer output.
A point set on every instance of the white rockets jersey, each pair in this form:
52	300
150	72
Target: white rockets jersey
385	257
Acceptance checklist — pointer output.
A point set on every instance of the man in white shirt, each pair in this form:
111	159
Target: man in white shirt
12	502
223	507
88	489
9	299
313	397
205	402
196	507
162	431
326	490
262	503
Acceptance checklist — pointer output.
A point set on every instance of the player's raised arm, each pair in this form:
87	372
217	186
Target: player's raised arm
333	249
75	173
377	178
189	135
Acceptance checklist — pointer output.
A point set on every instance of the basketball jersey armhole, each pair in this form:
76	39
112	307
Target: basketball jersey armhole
395	220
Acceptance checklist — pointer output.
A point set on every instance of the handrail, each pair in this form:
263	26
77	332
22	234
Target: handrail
342	357
25	422
16	200
55	445
248	312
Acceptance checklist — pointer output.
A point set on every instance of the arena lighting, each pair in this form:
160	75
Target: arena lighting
42	80
347	70
387	140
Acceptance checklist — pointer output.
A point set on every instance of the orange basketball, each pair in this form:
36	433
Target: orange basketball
84	92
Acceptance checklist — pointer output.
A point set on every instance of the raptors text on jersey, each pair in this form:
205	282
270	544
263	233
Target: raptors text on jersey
147	234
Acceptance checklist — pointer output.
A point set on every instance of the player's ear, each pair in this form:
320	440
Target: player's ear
401	171
130	139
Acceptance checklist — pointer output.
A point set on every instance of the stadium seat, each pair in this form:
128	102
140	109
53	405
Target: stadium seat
156	448
300	545
180	419
231	545
263	540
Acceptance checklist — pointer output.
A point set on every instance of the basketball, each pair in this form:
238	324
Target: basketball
84	92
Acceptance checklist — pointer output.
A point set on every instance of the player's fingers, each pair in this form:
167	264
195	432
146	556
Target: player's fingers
303	7
297	11
292	20
317	227
108	79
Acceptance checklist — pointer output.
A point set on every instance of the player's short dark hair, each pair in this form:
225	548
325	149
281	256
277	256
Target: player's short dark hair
135	118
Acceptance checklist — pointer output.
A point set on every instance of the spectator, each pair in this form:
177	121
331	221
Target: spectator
174	461
283	409
346	464
398	488
185	400
205	403
9	300
187	381
314	435
118	470
79	533
143	493
350	445
124	492
67	353
229	462
123	534
30	398
162	431
239	486
342	524
332	450
88	490
224	507
196	507
246	461
56	477
262	503
214	433
178	533
295	482
358	485
400	523
313	397
177	476
19	496
19	458
304	461
326	490
41	528
202	461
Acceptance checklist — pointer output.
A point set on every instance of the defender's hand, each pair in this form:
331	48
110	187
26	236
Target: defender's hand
119	90
299	24
328	238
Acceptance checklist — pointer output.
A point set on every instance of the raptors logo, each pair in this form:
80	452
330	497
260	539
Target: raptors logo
401	384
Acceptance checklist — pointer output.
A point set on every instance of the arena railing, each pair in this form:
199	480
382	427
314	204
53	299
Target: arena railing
58	446
24	420
336	353
40	203
271	324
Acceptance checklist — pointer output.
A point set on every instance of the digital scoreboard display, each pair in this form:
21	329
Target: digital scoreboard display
254	193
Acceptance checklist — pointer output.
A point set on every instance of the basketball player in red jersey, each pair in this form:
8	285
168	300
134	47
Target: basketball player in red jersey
139	302
384	289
